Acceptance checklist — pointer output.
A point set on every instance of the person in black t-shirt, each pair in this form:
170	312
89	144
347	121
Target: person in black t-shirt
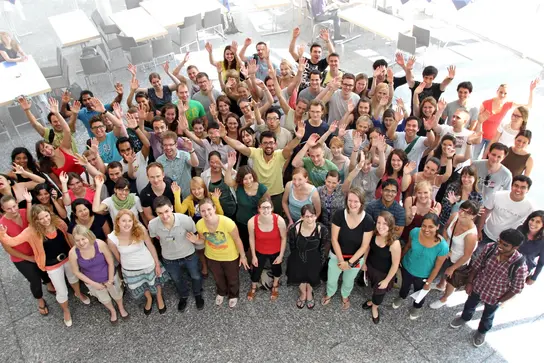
431	89
158	185
380	73
315	62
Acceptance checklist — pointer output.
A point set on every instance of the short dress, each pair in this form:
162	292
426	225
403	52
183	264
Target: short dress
138	268
307	254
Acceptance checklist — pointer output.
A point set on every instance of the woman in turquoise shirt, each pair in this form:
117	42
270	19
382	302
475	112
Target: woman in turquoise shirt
422	258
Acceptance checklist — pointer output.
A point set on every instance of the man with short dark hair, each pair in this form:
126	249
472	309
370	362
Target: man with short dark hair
177	251
315	62
314	87
388	203
315	164
492	175
107	140
337	95
261	58
206	94
272	123
134	163
464	89
431	89
193	108
496	276
380	72
158	185
333	71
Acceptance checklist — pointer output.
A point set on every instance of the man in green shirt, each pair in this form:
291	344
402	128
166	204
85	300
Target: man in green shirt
194	109
316	165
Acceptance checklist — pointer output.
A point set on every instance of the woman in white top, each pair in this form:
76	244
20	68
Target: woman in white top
121	199
462	235
142	271
507	132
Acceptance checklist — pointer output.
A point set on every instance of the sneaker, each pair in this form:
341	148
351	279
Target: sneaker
457	322
199	302
182	305
397	302
415	313
219	300
233	302
478	339
437	304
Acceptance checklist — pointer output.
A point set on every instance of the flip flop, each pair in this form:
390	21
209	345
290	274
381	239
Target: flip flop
43	310
301	303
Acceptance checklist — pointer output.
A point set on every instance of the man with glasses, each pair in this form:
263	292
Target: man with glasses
272	117
107	140
492	175
207	93
496	276
338	99
388	203
504	209
177	163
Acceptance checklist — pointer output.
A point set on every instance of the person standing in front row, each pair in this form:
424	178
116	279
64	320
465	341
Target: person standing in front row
497	275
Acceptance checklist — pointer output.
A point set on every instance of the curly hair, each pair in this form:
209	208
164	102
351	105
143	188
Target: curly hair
137	233
40	229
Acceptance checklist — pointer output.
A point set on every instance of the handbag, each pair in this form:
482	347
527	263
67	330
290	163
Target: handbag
459	277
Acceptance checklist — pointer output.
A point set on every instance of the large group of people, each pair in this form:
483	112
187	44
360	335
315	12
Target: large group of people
305	170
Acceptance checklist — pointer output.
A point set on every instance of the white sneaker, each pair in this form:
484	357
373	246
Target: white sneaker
68	323
437	304
397	302
415	313
233	302
219	300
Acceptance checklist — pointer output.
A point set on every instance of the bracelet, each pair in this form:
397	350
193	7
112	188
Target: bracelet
468	143
105	112
428	130
136	128
192	151
449	158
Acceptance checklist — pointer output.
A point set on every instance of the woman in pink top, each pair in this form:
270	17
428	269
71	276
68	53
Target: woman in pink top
492	113
73	187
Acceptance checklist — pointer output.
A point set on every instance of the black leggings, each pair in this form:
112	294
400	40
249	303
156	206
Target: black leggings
244	235
256	271
34	275
407	281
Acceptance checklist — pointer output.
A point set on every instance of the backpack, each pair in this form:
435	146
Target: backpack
512	269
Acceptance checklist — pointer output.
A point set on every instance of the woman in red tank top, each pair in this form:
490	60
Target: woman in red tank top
267	241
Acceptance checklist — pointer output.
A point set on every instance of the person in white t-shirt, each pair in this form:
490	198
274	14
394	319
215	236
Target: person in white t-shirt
122	198
463	136
134	163
409	141
464	89
505	209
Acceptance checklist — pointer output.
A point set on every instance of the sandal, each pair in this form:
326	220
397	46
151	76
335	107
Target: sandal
301	303
274	293
310	304
345	304
325	300
43	310
251	293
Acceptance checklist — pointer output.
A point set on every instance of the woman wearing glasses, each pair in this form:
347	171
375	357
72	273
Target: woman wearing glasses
462	235
507	132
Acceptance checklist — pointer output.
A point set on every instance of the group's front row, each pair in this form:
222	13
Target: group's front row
38	241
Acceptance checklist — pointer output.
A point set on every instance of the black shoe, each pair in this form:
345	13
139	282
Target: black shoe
163	310
199	302
366	306
376	320
182	305
146	311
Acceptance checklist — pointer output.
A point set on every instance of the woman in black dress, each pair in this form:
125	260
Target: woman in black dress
309	244
381	262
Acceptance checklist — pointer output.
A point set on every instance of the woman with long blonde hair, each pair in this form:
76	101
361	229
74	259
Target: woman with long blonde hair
10	50
381	100
48	237
142	270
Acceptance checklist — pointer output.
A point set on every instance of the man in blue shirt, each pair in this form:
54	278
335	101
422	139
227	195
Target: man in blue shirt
87	111
107	146
388	203
261	58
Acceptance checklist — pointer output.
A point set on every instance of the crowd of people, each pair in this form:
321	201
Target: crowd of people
301	166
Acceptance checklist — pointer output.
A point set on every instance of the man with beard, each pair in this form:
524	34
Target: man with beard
268	162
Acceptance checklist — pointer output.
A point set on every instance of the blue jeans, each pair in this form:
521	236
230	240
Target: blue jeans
181	271
486	322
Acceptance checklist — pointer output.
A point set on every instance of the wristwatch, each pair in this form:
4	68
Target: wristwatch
352	264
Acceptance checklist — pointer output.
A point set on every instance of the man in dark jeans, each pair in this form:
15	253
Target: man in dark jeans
322	12
497	275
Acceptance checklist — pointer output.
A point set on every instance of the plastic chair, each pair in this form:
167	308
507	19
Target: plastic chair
186	37
61	81
131	4
141	55
406	43
162	47
193	19
127	43
107	29
18	117
213	20
94	66
423	37
318	25
56	70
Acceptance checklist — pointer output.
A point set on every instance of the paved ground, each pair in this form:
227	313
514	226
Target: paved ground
262	330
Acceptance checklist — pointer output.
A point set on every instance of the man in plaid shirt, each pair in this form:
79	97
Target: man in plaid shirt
490	282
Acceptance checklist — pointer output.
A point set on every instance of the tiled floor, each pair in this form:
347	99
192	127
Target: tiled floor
265	331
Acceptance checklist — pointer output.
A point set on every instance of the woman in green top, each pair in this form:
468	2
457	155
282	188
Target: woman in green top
215	181
248	193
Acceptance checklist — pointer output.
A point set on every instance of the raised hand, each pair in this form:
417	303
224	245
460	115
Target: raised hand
302	62
132	123
333	127
409	167
117	111
188	144
296	32
186	57
399	58
142	112
24	103
81	159
208	47
380	143
213	110
400	102
175	187
94	145
342	130
351	106
99	180
410	63
118	88
357	140
76	106
300	51
390	75
132	69
247	42
452	198
17	169
252	67
27	196
219	67
534	83
324	34
313	140
134	84
243	70
53	105
234	46
420	88
231	159
399	115
451	72
301	129
130	158
98	105
272	72
222	130
442	105
166	67
63	177
216	193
